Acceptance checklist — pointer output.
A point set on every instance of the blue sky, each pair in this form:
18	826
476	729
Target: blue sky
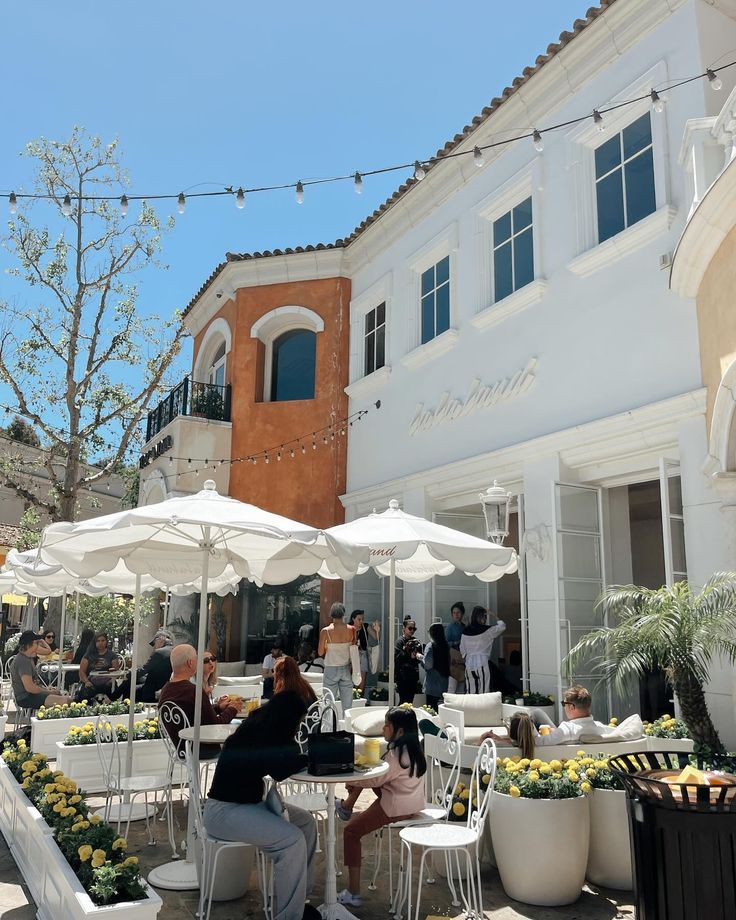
243	93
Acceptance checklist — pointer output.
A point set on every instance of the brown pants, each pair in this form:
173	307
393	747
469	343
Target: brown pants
365	823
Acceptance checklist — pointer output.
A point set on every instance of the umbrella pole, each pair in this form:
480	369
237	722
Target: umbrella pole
201	641
76	615
167	603
391	630
133	672
60	676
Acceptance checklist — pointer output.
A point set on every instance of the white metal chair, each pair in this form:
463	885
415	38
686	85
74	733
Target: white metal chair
454	838
212	847
443	773
120	786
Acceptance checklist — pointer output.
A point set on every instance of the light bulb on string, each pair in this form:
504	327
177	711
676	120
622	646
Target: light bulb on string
12	203
358	183
314	445
537	141
278	455
657	101
240	199
299	192
332	435
124	205
598	120
715	81
66	206
304	449
291	453
265	459
181	203
419	171
478	156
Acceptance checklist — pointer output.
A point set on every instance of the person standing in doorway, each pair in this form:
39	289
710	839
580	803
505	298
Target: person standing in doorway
334	646
406	660
475	645
454	633
436	664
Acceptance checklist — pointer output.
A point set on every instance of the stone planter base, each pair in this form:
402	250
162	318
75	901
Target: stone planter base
609	859
51	882
82	763
553	835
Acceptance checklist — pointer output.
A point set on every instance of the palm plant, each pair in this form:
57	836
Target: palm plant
673	629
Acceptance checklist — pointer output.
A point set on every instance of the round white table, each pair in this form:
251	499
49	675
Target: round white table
331	909
210	734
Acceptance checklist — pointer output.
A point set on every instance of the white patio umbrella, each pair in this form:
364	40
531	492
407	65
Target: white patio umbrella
416	550
197	536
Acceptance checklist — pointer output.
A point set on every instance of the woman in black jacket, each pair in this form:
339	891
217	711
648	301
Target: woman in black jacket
262	746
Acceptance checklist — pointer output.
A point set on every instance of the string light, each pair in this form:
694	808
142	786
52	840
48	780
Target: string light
240	199
12	203
265	459
419	171
657	101
66	206
299	192
538	142
358	183
715	81
598	120
478	156
181	203
124	205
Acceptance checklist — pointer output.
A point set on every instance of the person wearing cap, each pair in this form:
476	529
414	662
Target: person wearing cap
154	673
28	691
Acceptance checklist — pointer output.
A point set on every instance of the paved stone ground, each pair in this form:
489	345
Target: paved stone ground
15	903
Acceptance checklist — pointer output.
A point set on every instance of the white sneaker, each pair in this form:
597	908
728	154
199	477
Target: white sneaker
347	897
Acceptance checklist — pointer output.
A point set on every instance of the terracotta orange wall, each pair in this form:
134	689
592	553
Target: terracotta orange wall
307	487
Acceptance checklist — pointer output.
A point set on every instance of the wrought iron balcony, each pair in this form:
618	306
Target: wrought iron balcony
206	400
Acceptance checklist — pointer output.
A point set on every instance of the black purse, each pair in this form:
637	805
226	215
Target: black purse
330	752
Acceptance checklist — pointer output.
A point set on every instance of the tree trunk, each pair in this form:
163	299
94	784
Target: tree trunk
691	697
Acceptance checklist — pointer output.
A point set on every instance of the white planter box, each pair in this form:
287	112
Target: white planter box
3	723
46	732
683	745
552	835
81	762
56	890
609	858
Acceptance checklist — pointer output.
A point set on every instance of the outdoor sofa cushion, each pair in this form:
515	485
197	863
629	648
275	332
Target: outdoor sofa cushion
481	710
231	669
629	730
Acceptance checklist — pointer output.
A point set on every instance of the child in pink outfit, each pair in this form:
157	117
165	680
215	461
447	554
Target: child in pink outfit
400	793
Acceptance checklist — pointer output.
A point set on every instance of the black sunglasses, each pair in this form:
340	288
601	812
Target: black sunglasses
210	660
49	636
411	628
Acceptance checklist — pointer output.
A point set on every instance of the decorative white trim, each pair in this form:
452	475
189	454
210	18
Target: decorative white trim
509	306
442	244
623	243
217	331
154	480
278	320
436	347
435	249
365	385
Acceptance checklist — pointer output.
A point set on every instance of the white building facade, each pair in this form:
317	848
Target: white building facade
516	324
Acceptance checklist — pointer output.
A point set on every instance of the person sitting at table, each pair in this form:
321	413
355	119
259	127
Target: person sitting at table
267	669
264	746
95	666
400	794
154	673
287	677
314	664
29	692
183	692
49	637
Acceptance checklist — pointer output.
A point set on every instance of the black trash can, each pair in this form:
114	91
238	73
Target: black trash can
683	839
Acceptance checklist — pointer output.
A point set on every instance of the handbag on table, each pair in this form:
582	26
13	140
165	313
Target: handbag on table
330	752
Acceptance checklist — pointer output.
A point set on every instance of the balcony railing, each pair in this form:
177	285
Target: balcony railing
206	400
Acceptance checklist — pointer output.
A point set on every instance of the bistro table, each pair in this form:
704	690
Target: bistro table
210	734
331	909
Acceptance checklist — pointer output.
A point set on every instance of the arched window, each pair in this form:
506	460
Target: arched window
293	365
216	370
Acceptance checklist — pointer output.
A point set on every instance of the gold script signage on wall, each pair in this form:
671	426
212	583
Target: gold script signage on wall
481	396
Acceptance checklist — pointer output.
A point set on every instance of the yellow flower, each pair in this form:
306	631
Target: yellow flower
545	769
68	812
580	753
59	807
38	758
514	792
585	787
555	764
572	775
536	763
591	773
120	843
95	819
485	779
131	861
533	776
85	852
524	763
458	809
614	721
75	799
516	758
26	783
98	858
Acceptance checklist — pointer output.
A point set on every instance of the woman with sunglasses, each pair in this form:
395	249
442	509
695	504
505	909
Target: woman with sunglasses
209	673
406	661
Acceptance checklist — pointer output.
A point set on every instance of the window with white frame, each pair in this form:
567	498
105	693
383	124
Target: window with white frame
435	300
374	339
216	371
513	250
624	178
293	365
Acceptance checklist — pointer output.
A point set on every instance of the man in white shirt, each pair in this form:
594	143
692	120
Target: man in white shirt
576	702
267	670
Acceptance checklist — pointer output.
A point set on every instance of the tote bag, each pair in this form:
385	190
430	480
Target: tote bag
330	752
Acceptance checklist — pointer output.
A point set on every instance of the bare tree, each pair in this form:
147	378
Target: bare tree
67	353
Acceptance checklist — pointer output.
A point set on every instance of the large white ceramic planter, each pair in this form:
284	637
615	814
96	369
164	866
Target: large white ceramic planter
46	732
609	857
683	745
82	764
552	836
56	890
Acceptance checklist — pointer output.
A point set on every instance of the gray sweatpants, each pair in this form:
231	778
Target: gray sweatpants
290	844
